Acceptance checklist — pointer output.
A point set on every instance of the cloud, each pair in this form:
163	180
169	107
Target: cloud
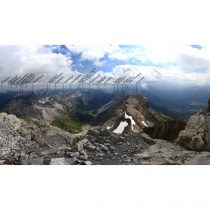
186	57
19	60
132	70
156	76
158	64
97	54
93	53
194	60
144	86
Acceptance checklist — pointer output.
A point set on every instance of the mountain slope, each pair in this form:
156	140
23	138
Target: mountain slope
21	140
134	114
48	106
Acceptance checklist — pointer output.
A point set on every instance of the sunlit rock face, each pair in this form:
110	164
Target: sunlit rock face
196	135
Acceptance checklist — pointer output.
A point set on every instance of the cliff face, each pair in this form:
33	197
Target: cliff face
167	130
196	135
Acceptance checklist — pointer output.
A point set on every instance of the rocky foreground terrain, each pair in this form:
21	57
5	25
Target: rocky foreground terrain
148	137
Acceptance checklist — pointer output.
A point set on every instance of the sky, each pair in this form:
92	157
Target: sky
159	64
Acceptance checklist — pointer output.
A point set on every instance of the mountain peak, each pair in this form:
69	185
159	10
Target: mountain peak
130	114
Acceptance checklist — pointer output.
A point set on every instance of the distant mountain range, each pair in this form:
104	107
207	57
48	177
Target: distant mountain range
176	102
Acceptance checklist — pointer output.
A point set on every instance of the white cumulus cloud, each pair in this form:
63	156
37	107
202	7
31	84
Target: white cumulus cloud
20	60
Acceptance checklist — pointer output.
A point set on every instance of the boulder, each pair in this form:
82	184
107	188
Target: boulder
88	163
104	148
59	161
165	153
196	135
79	146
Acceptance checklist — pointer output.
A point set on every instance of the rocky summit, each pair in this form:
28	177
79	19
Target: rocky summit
75	129
196	135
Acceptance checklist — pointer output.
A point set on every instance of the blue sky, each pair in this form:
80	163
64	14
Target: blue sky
106	64
117	55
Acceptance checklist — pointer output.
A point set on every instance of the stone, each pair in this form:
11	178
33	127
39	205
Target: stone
2	162
104	132
104	148
99	158
147	139
138	156
46	160
83	157
36	161
100	155
88	163
107	141
100	139
196	135
166	153
97	149
191	140
74	154
46	153
93	132
122	138
24	161
92	140
91	147
111	148
78	147
71	161
74	159
114	138
58	161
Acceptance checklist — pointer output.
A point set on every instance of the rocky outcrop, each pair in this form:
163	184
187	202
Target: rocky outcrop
23	142
196	135
14	138
166	153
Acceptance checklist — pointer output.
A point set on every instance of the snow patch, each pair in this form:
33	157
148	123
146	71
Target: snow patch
132	120
144	124
121	127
